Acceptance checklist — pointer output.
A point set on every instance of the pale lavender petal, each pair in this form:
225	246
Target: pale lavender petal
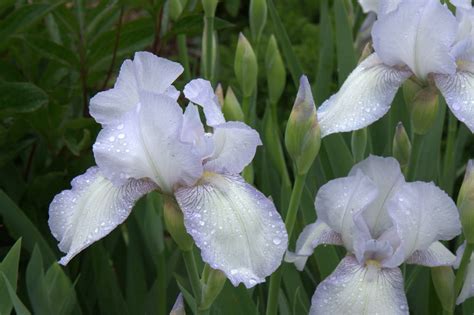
364	97
436	255
355	289
91	210
200	91
235	145
237	228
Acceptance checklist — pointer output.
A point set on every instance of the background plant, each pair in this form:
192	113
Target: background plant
55	55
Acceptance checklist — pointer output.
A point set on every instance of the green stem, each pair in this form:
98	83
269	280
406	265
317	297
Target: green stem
279	156
448	163
275	279
183	56
461	274
193	274
414	156
246	108
209	27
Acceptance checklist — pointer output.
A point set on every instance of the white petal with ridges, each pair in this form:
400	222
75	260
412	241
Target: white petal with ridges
354	289
340	199
236	227
200	91
419	34
235	145
312	236
146	144
91	210
436	255
364	97
422	214
458	91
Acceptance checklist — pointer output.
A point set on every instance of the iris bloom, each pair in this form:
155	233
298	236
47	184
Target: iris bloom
148	143
419	38
382	221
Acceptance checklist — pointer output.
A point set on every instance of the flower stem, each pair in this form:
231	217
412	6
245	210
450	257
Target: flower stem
209	27
275	279
414	156
461	274
448	163
192	270
183	56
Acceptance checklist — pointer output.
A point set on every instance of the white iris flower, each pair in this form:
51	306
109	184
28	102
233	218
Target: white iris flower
382	221
420	38
148	143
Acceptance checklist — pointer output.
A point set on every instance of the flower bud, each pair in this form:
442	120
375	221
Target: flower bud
175	8
232	110
275	70
209	7
258	18
465	203
410	88
174	221
211	289
401	146
443	281
220	94
303	136
178	307
424	109
359	144
245	66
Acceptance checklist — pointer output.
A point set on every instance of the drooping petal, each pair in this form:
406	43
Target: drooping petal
385	173
467	290
422	214
146	144
340	199
91	210
364	97
235	145
369	5
236	227
419	34
354	289
464	4
200	91
436	255
312	236
146	72
458	91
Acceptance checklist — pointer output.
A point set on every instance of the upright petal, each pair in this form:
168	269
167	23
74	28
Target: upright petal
193	132
200	91
91	210
312	236
419	34
235	145
340	199
146	72
354	289
369	5
385	173
146	144
458	91
422	214
364	97
236	227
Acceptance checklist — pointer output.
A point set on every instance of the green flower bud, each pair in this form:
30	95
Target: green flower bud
258	18
209	7
443	281
275	69
232	7
245	66
359	144
424	110
410	88
175	8
220	94
232	110
465	203
211	289
401	146
174	221
303	136
366	52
